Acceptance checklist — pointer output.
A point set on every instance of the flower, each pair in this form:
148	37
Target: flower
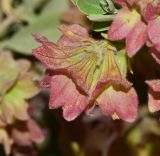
16	87
137	22
153	95
20	134
81	71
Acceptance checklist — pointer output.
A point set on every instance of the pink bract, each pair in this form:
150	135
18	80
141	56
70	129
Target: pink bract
137	26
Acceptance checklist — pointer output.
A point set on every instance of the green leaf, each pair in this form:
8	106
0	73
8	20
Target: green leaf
90	6
55	6
100	26
108	6
45	24
23	42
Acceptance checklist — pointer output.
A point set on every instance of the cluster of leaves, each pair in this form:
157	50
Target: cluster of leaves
17	86
100	12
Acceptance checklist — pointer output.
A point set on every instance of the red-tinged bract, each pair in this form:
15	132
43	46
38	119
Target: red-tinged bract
153	95
138	22
82	72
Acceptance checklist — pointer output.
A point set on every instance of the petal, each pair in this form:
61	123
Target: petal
155	54
47	51
35	131
136	38
154	31
6	141
74	29
82	60
154	85
21	138
45	82
142	4
119	103
157	47
64	94
25	87
74	61
111	81
149	12
154	95
13	108
72	35
153	101
123	24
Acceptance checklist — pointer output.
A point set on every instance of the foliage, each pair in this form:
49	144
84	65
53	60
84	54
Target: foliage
17	86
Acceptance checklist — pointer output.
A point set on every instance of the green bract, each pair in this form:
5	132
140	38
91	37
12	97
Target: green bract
90	6
121	60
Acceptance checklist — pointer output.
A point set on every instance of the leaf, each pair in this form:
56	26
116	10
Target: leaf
6	6
100	18
100	26
46	24
55	6
8	72
90	6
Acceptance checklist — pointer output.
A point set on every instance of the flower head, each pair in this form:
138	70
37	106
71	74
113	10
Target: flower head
138	23
80	70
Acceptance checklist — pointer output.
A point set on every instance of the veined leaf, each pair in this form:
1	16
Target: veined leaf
90	6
